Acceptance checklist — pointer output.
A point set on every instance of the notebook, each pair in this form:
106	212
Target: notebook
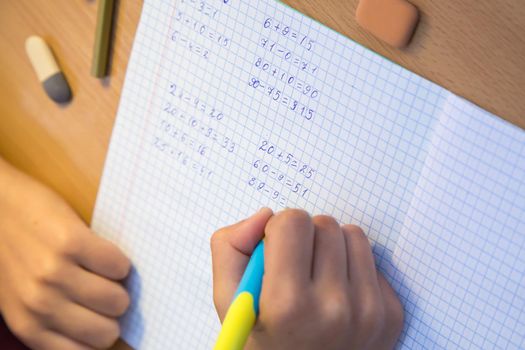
232	105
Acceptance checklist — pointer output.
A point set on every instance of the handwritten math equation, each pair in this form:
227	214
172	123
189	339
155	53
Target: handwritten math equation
191	129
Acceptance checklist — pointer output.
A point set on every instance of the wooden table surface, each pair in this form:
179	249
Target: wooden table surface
475	48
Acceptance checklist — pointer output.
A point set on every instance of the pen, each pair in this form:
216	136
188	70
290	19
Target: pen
243	310
102	38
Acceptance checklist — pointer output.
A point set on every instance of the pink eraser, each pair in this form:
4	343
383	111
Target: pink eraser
392	21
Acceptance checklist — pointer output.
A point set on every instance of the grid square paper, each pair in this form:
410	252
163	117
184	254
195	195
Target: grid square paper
232	105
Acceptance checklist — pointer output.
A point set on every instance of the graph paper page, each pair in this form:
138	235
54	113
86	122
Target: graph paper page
460	256
229	106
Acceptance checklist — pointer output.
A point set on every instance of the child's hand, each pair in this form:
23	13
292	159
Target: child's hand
320	290
59	284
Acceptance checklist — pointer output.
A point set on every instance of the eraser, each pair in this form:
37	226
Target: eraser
47	70
392	21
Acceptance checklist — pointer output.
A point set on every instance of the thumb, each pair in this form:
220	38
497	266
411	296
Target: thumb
231	248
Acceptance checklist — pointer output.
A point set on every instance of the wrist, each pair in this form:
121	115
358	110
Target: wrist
6	175
16	188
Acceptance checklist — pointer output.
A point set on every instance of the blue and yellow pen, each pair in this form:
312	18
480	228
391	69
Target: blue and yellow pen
243	311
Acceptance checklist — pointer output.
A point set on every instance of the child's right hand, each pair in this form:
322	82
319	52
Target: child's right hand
320	290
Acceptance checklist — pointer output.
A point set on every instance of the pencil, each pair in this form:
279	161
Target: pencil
242	313
102	38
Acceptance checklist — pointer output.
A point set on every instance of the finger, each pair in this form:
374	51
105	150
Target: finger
330	261
30	331
52	340
393	313
102	257
85	326
231	249
96	293
289	245
361	267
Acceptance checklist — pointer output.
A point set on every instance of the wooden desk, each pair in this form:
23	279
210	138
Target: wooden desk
476	48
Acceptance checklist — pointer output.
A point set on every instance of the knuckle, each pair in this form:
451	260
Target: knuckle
396	317
67	243
50	271
336	310
282	311
335	314
109	334
120	301
325	221
354	230
217	237
124	267
290	218
119	266
280	317
36	301
295	215
371	317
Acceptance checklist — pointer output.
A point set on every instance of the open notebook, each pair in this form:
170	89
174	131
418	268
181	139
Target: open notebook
232	105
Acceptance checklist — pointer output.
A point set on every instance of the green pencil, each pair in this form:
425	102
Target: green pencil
99	64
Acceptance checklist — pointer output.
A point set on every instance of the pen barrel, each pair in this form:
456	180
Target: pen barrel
237	324
243	311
